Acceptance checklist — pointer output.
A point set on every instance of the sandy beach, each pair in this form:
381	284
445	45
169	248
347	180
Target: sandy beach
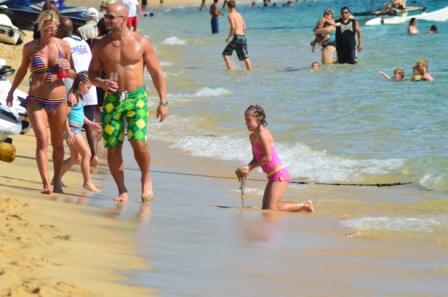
51	248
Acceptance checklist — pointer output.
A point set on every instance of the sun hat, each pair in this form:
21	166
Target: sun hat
92	14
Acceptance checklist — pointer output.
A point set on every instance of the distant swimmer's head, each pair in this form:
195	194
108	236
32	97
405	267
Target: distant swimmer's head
398	74
315	66
116	16
413	22
231	4
255	117
433	30
48	22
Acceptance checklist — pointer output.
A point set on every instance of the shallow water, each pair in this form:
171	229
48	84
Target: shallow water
341	124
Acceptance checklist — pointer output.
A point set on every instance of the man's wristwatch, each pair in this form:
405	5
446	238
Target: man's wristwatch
163	102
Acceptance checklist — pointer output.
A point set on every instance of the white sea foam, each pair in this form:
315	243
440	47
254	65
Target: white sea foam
182	133
211	92
174	41
426	225
437	181
301	160
165	63
321	166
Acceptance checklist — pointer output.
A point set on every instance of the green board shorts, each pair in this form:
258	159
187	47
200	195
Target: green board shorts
133	108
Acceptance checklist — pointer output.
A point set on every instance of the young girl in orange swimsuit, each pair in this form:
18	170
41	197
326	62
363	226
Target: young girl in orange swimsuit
265	155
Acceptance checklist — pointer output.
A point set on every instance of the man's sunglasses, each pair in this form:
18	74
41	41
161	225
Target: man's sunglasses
346	11
111	17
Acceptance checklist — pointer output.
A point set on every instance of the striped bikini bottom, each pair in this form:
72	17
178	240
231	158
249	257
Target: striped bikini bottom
47	104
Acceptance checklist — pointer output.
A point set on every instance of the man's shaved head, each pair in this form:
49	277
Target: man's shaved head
118	9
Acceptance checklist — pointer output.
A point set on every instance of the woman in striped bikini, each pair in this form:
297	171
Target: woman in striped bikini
49	60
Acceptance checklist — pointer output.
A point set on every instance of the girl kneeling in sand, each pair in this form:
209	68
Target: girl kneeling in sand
265	155
75	121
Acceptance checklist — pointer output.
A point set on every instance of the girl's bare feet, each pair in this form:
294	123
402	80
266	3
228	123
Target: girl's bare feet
90	187
47	189
308	206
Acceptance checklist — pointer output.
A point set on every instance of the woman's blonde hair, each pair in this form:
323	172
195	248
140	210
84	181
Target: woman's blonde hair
47	15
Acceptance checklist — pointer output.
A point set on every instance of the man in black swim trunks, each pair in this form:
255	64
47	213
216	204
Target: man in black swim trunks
236	37
346	29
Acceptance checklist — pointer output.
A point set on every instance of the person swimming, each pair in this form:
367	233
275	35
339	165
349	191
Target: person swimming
398	74
420	71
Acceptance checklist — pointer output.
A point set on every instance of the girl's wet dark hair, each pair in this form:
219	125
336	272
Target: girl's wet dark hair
258	112
83	77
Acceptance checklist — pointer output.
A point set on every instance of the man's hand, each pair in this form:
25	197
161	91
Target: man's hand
359	46
9	99
109	85
162	112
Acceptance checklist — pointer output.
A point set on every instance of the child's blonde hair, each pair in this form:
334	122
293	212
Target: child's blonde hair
258	112
421	63
47	15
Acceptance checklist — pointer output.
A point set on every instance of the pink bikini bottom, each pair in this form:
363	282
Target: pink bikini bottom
280	176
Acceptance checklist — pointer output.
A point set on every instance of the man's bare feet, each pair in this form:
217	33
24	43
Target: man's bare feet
147	193
57	186
90	187
94	161
62	184
123	197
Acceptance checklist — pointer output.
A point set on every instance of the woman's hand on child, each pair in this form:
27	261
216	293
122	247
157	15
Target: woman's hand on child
71	138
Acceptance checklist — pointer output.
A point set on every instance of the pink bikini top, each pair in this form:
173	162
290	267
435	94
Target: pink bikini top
270	167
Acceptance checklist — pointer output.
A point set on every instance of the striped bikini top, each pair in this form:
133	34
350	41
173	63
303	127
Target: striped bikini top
38	66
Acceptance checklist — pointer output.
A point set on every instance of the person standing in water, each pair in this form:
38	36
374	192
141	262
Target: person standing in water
215	13
346	30
122	55
236	39
265	156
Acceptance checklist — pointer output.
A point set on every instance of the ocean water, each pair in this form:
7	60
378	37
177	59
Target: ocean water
341	124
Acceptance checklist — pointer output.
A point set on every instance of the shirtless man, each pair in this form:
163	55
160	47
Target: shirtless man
237	37
123	54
